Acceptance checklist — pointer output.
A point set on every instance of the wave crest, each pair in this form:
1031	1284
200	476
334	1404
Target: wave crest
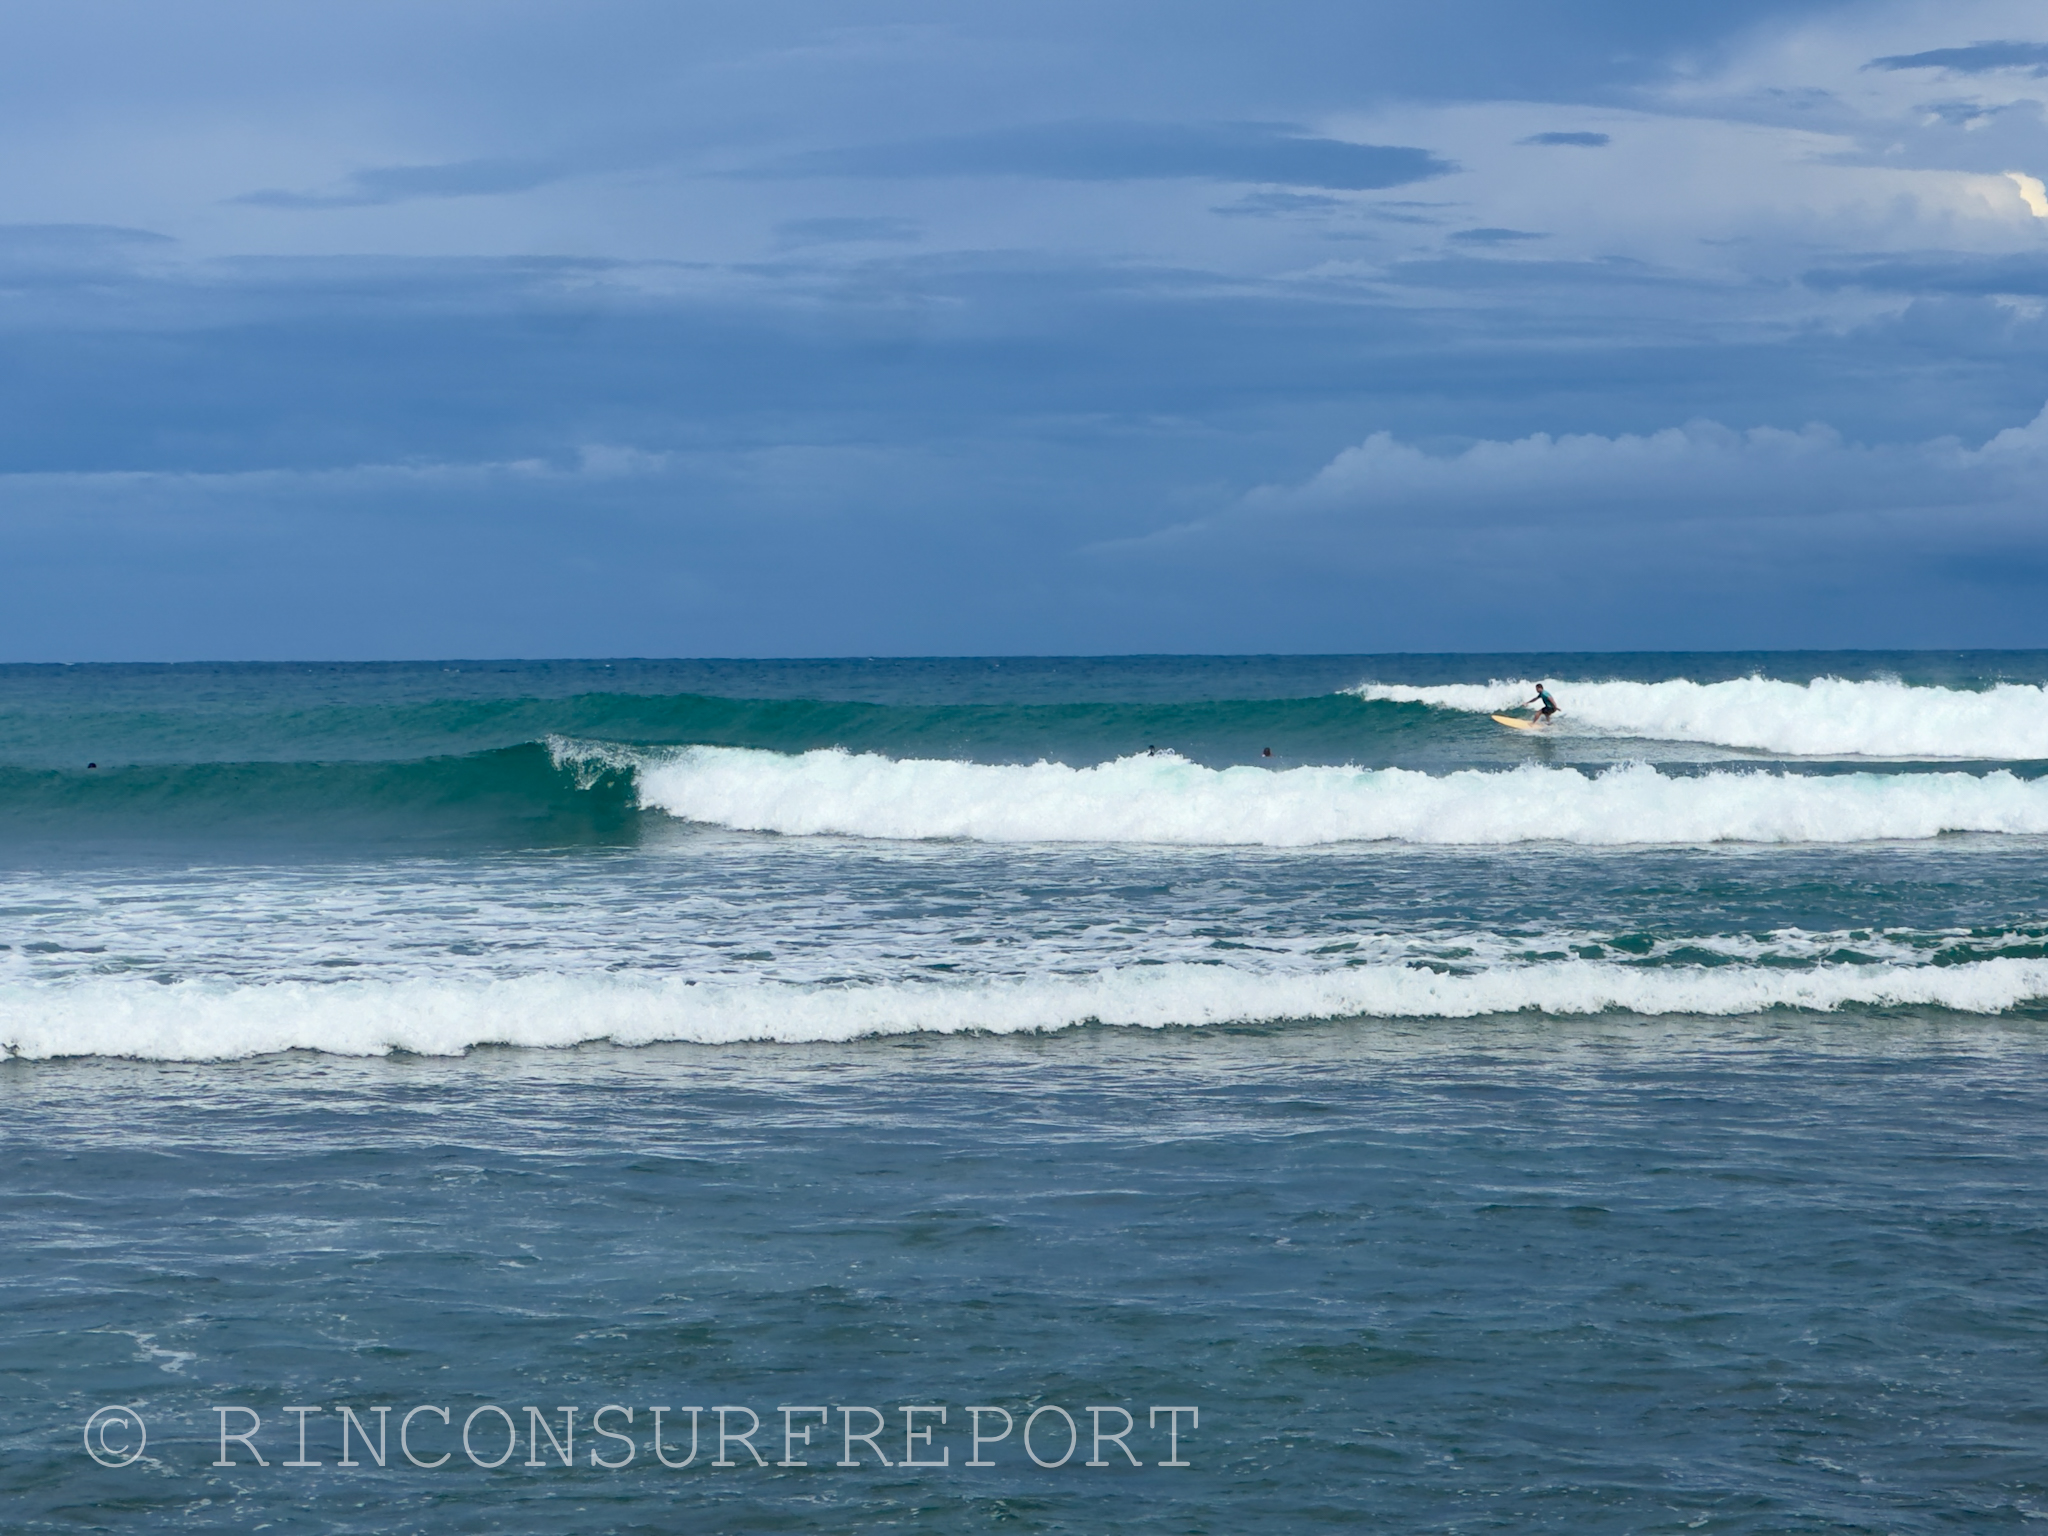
1162	799
1827	717
200	1022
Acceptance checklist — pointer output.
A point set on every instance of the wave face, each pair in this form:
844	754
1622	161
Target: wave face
508	797
1827	717
1166	800
200	1022
458	755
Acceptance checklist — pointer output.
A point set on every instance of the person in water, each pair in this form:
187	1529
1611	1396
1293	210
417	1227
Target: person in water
1549	704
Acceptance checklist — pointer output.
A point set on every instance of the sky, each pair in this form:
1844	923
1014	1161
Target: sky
384	330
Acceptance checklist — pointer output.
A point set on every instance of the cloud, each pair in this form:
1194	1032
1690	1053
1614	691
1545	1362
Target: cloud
2032	193
1785	536
1086	354
1700	467
1132	151
1593	284
1272	205
405	183
75	237
53	246
39	258
550	465
847	231
1977	59
1939	274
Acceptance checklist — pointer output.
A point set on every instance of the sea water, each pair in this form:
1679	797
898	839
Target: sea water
1405	1124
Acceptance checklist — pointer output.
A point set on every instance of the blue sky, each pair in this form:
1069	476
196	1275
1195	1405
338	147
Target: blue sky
385	330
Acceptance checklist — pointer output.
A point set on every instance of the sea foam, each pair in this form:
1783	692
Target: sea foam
195	1021
1163	799
1828	717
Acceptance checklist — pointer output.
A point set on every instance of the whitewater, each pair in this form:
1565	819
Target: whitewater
201	1022
1823	717
1163	799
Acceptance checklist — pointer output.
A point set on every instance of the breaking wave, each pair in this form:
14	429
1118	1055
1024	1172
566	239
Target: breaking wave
196	1021
1827	717
1163	799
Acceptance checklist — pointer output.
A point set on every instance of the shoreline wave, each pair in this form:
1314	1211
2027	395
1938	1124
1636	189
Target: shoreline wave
195	1021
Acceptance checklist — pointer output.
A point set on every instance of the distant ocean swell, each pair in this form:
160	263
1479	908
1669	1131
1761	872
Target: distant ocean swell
1823	717
210	1021
1162	799
1071	731
1827	717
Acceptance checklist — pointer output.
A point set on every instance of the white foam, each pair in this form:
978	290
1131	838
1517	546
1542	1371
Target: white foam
1166	800
1828	717
195	1021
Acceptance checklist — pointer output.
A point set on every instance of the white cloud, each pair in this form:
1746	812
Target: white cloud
2032	193
1700	468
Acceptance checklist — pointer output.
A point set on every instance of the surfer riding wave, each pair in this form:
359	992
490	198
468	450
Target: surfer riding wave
1543	714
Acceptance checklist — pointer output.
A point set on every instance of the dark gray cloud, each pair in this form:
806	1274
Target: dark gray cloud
1131	151
316	363
1960	114
1977	59
1585	140
1495	236
929	456
404	183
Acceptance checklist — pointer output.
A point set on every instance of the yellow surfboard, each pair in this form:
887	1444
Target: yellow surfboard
1518	723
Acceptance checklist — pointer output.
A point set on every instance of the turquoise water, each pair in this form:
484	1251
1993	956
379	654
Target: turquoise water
1633	1128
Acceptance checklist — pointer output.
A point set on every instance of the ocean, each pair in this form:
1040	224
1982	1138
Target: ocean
1162	1094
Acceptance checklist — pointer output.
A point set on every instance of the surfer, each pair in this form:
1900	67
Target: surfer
1549	704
